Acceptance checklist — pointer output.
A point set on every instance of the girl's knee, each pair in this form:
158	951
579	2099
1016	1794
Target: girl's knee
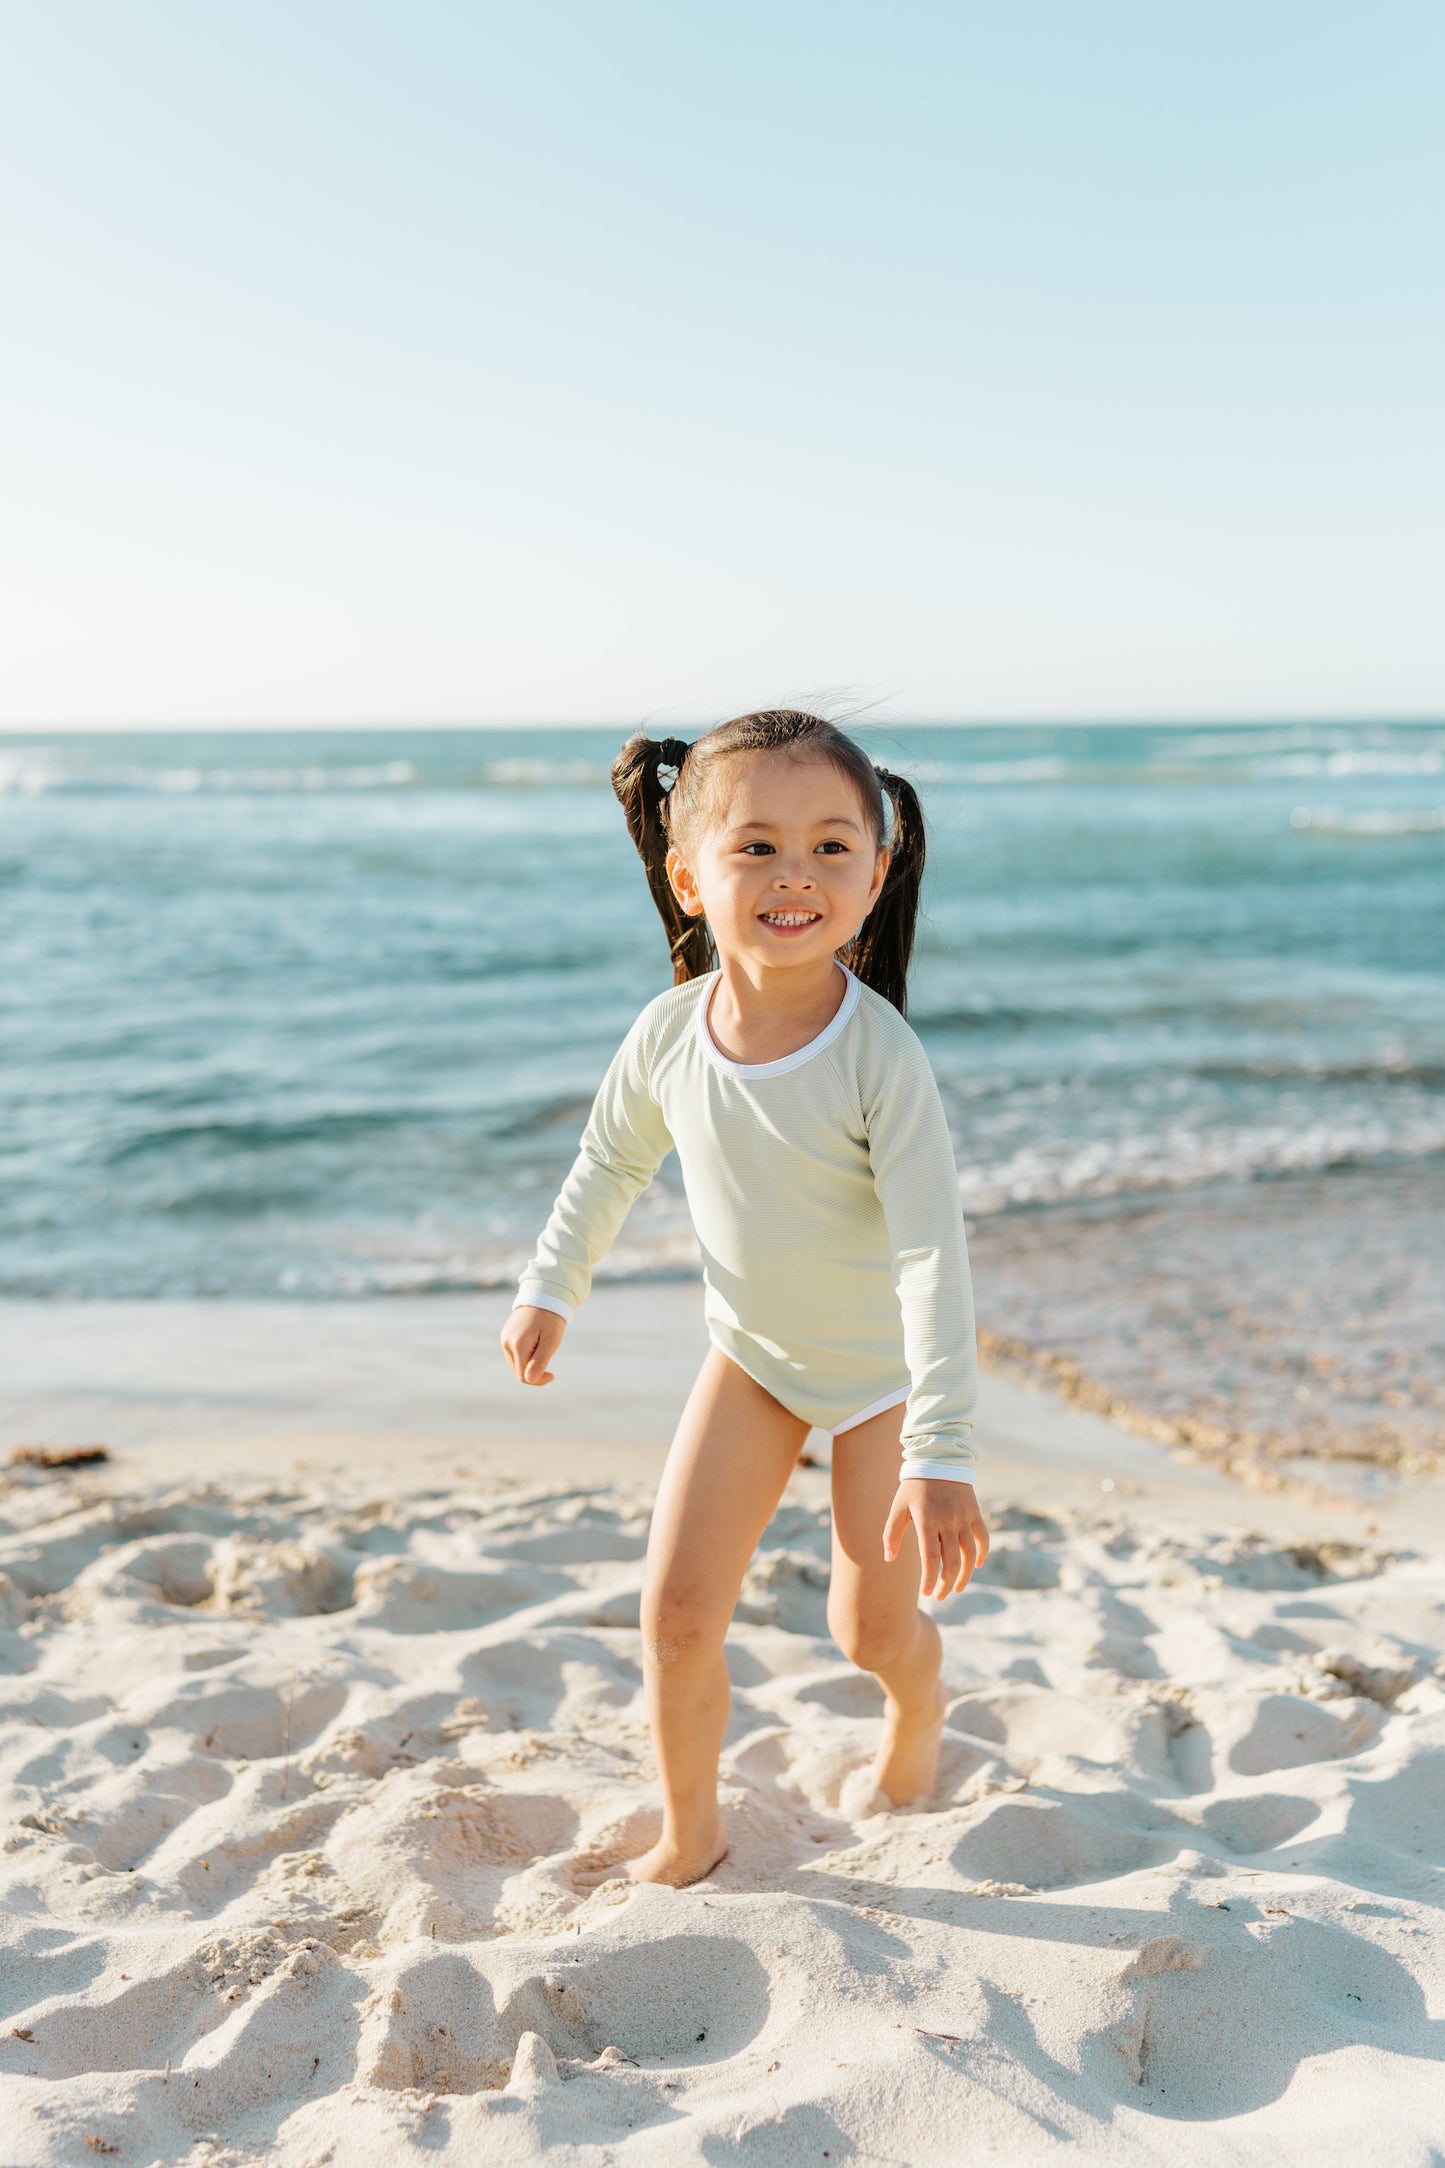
871	1641
677	1629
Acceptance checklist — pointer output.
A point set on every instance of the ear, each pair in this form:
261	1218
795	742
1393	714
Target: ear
880	874
683	885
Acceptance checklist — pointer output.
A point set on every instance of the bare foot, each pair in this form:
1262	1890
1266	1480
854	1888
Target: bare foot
666	1861
907	1762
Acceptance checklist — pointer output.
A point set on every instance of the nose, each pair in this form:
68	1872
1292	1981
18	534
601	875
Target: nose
794	873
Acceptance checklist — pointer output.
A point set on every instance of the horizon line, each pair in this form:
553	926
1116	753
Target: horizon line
1292	719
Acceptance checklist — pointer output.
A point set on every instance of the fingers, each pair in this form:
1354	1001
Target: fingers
968	1561
972	1551
950	1552
529	1342
518	1345
930	1552
927	1556
952	1538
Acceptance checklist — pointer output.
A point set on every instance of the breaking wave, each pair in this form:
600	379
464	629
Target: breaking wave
1339	821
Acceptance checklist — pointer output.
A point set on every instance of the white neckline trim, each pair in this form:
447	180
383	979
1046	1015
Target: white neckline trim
754	1071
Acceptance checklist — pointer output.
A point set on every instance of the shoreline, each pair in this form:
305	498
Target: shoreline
397	1390
1285	1331
1257	1459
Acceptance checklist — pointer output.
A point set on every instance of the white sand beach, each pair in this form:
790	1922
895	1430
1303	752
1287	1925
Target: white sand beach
323	1695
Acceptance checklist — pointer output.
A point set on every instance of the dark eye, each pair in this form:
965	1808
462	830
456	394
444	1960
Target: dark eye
833	845
749	848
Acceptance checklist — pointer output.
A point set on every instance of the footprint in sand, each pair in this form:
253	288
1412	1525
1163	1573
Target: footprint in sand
1043	1845
240	1720
715	2000
431	1849
1258	1823
1286	1732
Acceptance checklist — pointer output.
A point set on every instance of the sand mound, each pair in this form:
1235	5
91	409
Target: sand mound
302	1789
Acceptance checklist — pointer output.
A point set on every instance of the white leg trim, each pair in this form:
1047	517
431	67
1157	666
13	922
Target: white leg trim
874	1407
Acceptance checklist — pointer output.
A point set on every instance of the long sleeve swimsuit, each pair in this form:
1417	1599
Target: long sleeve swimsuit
824	1194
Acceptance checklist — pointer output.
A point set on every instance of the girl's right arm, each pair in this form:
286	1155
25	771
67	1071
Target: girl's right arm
623	1145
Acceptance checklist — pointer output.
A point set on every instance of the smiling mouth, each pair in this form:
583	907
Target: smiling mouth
790	919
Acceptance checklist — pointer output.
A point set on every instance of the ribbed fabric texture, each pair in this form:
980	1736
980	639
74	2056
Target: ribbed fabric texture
825	1198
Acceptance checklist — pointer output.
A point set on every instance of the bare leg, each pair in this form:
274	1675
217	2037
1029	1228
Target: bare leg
734	1451
873	1608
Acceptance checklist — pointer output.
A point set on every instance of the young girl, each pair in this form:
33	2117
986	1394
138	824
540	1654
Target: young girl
822	1187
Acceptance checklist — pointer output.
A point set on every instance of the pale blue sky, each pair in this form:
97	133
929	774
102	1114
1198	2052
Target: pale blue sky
434	362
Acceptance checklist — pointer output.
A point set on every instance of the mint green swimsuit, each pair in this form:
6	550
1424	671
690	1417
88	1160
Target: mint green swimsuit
824	1194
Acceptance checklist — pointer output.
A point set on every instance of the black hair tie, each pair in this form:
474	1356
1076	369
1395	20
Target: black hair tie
671	753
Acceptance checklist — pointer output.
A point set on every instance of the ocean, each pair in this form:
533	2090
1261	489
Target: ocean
322	1013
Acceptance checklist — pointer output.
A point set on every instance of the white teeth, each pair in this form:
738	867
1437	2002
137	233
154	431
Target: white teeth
791	918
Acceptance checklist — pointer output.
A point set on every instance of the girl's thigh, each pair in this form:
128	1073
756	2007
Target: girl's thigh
730	1460
866	1592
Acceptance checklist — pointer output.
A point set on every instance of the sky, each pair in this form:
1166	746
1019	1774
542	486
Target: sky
442	363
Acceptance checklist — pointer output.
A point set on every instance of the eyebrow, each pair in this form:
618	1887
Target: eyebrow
834	820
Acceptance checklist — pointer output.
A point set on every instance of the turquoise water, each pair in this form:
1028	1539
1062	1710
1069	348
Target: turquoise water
322	1013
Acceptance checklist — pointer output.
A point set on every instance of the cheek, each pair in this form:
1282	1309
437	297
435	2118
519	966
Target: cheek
735	892
720	888
855	879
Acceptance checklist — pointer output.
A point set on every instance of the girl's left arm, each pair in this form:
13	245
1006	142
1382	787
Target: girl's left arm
916	1181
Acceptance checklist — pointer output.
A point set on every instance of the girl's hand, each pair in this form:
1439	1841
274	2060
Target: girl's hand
530	1338
952	1539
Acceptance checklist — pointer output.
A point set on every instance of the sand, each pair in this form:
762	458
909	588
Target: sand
304	1771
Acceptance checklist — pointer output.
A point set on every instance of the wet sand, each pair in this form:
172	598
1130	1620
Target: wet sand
1271	1326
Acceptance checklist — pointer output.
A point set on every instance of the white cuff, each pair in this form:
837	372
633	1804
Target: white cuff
936	1471
543	1302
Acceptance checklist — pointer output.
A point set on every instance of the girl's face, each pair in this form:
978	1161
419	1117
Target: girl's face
787	867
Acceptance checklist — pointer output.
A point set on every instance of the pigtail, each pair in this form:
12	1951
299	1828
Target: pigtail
880	954
637	780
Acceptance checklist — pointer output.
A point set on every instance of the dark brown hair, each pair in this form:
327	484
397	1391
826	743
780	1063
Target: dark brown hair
659	816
